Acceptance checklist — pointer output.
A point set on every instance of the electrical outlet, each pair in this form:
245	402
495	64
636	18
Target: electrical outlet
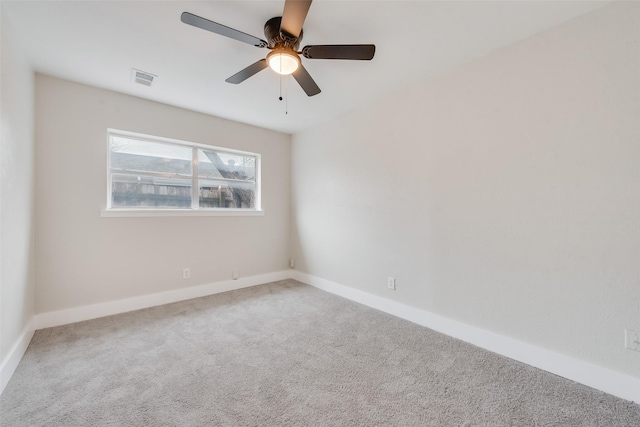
234	275
292	263
391	283
632	340
186	273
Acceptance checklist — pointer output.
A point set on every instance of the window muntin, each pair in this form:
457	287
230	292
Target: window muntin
150	173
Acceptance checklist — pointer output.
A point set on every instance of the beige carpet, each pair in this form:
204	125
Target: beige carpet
284	354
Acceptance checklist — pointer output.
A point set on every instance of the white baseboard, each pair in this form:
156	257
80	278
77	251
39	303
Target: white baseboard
589	374
12	359
595	376
94	311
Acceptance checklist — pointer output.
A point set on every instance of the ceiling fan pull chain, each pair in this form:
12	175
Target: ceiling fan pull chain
286	93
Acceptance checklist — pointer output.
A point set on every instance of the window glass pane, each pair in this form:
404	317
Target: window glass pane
226	194
212	164
146	172
140	191
132	154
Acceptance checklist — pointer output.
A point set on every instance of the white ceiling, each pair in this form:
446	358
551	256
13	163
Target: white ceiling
99	42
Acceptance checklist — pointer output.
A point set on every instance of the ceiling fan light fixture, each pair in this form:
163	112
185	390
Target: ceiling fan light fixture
283	61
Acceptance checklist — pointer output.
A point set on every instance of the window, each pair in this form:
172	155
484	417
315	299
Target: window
157	174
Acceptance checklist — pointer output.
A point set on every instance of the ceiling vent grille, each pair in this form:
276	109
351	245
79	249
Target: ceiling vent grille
142	77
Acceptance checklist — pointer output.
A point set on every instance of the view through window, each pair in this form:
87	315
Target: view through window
156	173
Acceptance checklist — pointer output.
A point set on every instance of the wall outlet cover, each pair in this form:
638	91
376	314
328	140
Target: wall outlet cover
391	283
632	339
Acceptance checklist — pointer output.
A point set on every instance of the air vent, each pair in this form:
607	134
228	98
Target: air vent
142	77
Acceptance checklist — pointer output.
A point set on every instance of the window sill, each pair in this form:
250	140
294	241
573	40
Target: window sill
121	213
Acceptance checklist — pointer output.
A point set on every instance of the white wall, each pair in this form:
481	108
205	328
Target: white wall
84	258
16	202
504	194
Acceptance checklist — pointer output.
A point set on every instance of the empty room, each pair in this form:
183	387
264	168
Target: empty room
320	213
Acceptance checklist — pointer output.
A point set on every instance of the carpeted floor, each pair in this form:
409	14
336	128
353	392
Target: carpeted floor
284	354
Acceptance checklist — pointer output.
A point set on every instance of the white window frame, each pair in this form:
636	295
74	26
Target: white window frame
194	210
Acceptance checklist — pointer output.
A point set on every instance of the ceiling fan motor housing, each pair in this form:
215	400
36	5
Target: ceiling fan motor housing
278	39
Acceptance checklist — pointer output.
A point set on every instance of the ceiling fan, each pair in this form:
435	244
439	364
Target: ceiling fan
283	40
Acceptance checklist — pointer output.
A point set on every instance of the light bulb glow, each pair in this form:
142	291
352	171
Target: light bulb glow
283	62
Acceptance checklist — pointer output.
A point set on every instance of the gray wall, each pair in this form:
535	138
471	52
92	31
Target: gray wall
84	258
16	193
504	194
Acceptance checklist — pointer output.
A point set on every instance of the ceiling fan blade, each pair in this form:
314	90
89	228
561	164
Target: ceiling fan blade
293	16
340	51
214	27
304	79
252	69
